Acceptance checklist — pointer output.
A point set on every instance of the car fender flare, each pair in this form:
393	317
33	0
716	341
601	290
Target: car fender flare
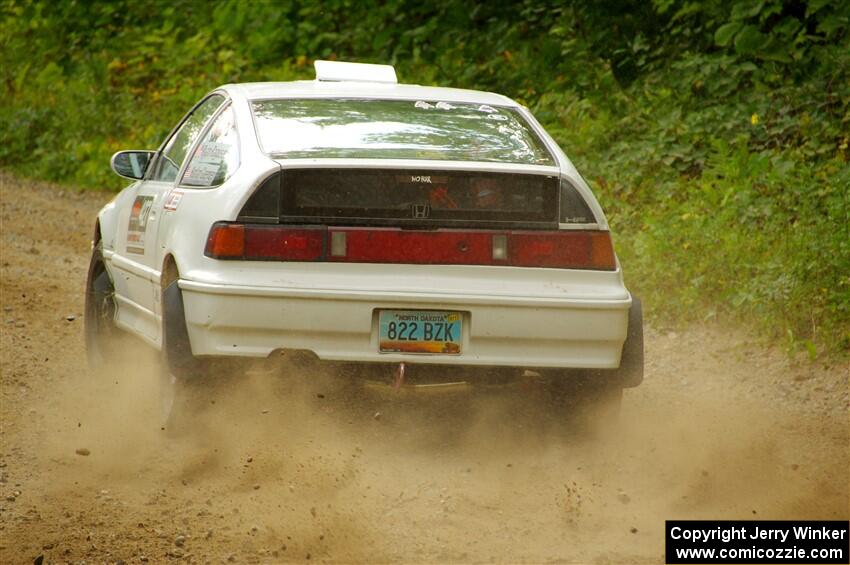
105	228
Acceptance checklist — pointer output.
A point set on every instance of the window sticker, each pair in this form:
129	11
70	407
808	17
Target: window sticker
201	173
216	156
206	164
138	225
172	201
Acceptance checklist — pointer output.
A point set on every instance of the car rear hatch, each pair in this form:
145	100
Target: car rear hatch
414	216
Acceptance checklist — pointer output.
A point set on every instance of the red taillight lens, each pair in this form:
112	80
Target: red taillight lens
285	244
550	249
563	249
558	249
390	245
269	243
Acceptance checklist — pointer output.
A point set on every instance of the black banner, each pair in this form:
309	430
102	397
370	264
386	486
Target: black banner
757	541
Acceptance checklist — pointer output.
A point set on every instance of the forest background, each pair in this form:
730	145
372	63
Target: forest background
714	133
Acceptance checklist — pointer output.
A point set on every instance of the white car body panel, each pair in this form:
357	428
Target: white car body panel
532	317
567	317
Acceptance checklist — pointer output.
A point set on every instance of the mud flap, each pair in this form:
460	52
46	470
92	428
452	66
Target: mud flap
176	347
630	373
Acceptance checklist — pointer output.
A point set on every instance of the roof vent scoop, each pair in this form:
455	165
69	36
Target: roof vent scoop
354	72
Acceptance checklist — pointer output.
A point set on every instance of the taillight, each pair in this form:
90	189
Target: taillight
265	243
441	247
563	249
569	249
602	251
285	244
226	241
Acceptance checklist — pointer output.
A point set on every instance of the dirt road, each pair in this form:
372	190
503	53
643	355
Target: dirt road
281	470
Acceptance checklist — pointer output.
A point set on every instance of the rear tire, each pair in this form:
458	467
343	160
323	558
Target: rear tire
188	384
176	347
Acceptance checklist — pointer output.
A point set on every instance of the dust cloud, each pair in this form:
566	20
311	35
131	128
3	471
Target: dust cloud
291	464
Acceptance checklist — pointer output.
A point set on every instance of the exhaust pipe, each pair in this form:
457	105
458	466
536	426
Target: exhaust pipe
399	376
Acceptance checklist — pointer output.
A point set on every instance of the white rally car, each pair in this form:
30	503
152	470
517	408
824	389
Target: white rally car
368	222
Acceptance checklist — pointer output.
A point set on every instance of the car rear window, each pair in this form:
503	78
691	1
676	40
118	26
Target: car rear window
396	129
403	197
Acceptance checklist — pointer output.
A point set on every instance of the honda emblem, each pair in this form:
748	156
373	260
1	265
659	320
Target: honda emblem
420	210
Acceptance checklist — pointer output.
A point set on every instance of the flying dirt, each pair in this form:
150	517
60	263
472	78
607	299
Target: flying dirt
286	465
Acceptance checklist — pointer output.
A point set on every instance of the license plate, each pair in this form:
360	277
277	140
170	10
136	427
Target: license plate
419	331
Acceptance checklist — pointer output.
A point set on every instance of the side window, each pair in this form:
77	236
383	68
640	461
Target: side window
217	156
175	150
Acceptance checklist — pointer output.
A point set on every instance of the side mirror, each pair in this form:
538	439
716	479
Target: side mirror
131	164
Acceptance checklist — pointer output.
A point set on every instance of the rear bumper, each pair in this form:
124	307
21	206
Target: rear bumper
341	325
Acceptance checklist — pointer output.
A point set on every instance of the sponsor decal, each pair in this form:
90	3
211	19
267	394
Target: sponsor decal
421	179
138	224
172	201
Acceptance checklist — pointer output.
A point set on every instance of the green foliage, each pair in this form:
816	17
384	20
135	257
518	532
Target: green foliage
715	133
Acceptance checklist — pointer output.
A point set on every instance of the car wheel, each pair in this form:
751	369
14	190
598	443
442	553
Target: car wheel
100	331
176	347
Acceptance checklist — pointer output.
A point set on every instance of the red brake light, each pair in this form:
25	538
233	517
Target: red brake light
279	243
563	249
391	245
275	243
573	249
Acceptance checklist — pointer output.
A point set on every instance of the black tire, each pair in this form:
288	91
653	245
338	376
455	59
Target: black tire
99	321
176	347
188	385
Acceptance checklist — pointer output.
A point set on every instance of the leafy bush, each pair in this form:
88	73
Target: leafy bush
715	133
